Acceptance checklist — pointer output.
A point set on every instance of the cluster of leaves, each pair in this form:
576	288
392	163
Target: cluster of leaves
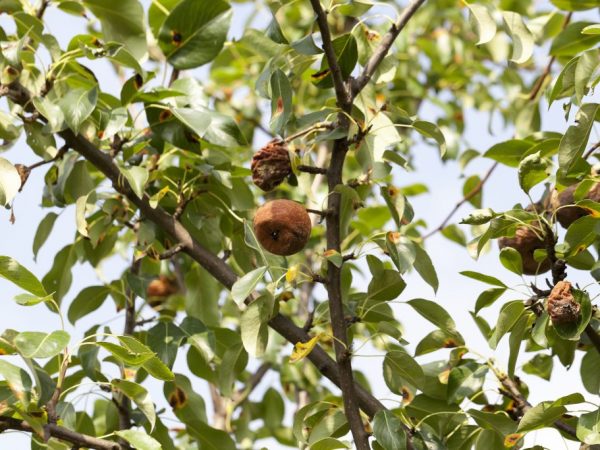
181	150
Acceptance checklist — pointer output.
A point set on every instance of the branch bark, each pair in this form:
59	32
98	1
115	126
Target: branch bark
58	432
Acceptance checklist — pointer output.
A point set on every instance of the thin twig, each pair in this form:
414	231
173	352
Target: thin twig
42	9
171	252
315	127
472	193
59	154
174	76
312	169
591	150
384	47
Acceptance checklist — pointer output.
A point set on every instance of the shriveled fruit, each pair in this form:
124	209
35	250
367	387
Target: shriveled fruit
282	227
560	202
162	286
561	306
270	165
526	242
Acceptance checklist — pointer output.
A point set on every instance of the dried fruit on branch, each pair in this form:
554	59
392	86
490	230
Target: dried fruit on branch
270	165
562	306
162	286
282	227
560	202
526	242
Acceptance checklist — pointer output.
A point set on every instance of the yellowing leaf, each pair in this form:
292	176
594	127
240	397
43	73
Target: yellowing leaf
291	273
302	349
512	439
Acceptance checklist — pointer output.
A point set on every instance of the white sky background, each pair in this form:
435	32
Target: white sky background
456	293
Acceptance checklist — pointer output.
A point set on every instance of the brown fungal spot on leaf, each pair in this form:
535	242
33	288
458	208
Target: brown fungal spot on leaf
138	81
164	115
282	227
562	306
178	398
271	165
450	343
176	38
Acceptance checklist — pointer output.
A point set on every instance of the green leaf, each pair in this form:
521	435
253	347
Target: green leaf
514	341
196	120
571	41
122	21
488	279
590	367
194	32
591	29
34	344
10	182
533	169
244	286
400	368
564	85
509	315
139	439
281	101
479	217
432	131
588	428
488	297
346	50
139	395
19	275
388	430
387	285
509	152
59	278
586	67
576	5
521	37
43	231
540	416
18	380
254	325
471	184
77	105
87	301
540	365
511	259
31	300
433	312
574	142
137	177
465	381
424	266
402	251
486	25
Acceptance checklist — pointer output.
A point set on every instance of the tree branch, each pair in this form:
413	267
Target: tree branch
341	91
472	193
58	432
386	43
212	263
511	390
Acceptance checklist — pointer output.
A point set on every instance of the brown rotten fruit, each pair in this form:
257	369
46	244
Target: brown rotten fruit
270	165
560	202
562	307
526	242
282	227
